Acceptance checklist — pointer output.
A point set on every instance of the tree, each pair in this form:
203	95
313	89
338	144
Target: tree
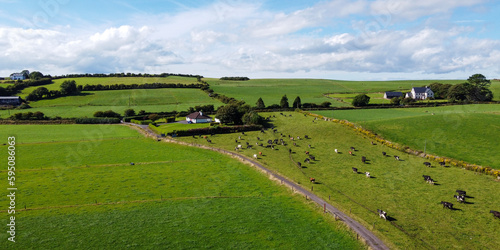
129	112
26	73
360	100
479	81
284	102
153	117
252	118
396	100
229	114
326	104
440	90
35	75
297	103
260	104
68	87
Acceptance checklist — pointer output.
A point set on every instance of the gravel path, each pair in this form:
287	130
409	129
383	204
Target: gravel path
370	239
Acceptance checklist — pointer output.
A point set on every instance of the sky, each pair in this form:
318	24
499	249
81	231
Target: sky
337	39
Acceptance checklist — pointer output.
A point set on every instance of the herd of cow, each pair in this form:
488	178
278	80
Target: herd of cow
272	144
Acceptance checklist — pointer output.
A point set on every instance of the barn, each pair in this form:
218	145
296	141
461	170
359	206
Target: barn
10	100
390	95
198	117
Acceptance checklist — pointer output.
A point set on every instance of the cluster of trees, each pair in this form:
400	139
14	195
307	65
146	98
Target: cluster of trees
297	103
68	87
209	108
127	75
235	78
98	87
29	116
475	89
20	85
109	113
360	100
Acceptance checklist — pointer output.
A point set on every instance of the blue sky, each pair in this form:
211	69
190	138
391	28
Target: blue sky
338	39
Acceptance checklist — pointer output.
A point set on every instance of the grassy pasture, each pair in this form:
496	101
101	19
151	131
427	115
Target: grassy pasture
419	221
309	90
468	132
167	199
113	80
169	128
88	102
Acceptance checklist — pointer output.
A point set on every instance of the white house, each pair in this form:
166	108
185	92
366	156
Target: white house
198	117
420	93
18	76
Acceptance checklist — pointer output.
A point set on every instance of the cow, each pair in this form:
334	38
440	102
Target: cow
307	152
312	180
373	143
255	156
336	151
268	146
299	164
240	147
260	153
382	214
306	136
350	152
355	170
426	177
495	213
363	159
384	153
309	145
428	164
307	160
242	133
460	198
312	157
269	141
368	175
239	137
353	149
209	141
249	146
442	163
132	164
298	137
461	192
396	157
258	138
447	204
289	150
248	143
295	144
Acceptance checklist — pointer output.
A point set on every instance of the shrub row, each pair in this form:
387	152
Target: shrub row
97	120
216	130
406	149
99	87
141	122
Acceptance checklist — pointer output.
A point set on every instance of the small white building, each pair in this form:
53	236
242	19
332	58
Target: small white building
198	117
390	95
420	93
17	76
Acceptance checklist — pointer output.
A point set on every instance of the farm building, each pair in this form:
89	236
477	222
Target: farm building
420	93
198	117
10	100
390	95
18	76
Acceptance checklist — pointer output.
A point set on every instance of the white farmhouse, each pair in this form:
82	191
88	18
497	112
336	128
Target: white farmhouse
17	76
420	93
198	117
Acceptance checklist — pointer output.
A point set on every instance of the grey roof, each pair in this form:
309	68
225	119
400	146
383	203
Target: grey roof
420	89
9	97
393	94
197	115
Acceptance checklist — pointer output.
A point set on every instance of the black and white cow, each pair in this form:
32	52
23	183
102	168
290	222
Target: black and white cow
355	170
447	204
382	214
460	198
495	213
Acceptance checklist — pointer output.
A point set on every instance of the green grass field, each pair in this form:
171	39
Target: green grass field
419	221
82	192
464	132
88	102
309	90
111	81
171	127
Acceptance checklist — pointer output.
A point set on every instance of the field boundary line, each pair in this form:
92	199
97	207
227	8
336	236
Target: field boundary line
368	237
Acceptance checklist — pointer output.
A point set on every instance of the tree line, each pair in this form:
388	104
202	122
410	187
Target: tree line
126	75
20	85
99	87
234	78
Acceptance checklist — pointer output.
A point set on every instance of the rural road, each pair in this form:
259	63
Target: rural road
370	239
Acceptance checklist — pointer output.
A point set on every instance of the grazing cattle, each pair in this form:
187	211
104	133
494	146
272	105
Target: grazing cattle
307	160
289	150
258	138
236	140
248	143
209	141
260	153
295	144
239	137
396	157
239	146
495	213
249	147
307	137
428	179
353	149
194	136
460	198
312	180
384	153
382	214
442	163
242	133
299	164
336	151
355	170
256	144
363	159
447	204
269	142
132	164
255	156
367	174
307	152
260	144
350	152
298	137
373	143
461	192
309	145
312	157
428	164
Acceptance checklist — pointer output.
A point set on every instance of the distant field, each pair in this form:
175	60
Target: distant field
82	191
309	90
113	80
418	219
468	132
169	128
151	100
